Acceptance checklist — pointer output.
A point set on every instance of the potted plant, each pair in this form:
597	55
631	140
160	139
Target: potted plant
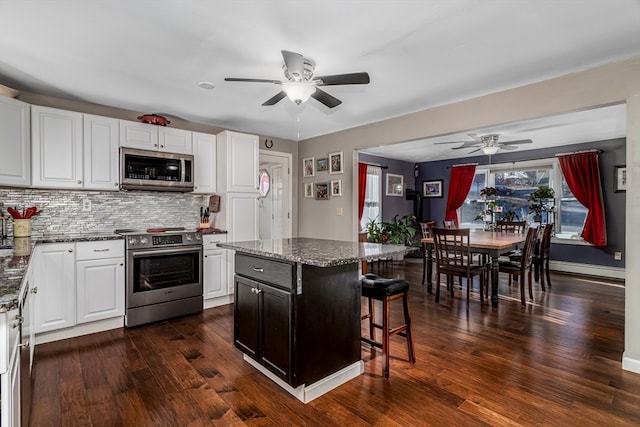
374	231
400	231
539	199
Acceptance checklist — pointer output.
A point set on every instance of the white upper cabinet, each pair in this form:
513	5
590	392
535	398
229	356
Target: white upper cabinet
15	142
237	169
204	155
174	140
146	136
56	148
100	153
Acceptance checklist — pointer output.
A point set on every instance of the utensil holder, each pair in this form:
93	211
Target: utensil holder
21	227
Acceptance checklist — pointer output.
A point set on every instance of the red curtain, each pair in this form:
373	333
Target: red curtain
582	173
362	188
459	186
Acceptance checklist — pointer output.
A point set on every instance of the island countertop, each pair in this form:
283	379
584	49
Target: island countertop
317	252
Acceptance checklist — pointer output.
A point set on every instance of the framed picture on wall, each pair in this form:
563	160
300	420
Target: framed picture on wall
335	162
336	187
308	167
322	164
432	188
321	190
395	185
308	190
620	180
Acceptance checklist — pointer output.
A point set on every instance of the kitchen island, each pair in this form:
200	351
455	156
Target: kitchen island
297	309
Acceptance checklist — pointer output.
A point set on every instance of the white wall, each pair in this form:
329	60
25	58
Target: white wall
604	85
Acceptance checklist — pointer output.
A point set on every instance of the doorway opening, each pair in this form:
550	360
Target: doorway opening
274	209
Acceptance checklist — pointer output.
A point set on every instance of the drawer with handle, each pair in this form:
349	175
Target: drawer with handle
266	270
100	249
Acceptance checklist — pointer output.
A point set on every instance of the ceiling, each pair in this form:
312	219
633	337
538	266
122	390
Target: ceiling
150	56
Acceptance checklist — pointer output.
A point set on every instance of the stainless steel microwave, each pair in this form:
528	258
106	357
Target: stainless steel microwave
155	170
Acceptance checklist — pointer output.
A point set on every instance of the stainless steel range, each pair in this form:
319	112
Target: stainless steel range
163	274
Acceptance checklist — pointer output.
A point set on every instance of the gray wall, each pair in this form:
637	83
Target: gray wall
614	152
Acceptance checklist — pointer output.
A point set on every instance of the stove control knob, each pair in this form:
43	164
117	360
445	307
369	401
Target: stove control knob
189	237
198	236
143	240
132	241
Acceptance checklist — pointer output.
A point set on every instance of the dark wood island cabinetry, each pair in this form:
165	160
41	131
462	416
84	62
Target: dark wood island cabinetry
297	310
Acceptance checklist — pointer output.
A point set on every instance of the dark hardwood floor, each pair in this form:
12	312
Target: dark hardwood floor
556	362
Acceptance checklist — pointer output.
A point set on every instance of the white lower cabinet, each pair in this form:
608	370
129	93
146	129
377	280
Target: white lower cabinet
99	280
214	267
55	278
78	283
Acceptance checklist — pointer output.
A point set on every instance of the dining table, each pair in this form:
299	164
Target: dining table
491	243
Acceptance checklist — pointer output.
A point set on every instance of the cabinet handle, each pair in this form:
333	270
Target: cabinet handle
19	320
256	290
34	290
161	146
115	184
155	145
101	250
70	250
24	344
79	181
259	270
122	264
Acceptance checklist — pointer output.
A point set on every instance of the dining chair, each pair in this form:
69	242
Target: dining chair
449	224
425	228
522	267
541	256
511	226
453	258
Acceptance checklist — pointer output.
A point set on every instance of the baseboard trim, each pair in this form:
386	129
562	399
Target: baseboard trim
216	302
629	364
588	269
80	329
306	393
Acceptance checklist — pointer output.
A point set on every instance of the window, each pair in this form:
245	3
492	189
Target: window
373	196
515	184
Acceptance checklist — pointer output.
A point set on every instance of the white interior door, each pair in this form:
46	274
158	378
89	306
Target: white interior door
274	210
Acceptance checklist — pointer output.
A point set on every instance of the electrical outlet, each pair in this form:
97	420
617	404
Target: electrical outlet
338	211
86	205
617	256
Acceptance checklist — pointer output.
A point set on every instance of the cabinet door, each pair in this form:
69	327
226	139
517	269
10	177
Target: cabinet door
242	219
15	142
215	273
138	135
175	140
276	330
55	276
100	289
245	319
100	153
240	161
204	153
56	148
10	385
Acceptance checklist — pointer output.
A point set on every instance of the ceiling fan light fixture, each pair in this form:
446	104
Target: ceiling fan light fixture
490	150
298	92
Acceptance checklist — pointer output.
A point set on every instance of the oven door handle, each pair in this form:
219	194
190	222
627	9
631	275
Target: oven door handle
171	251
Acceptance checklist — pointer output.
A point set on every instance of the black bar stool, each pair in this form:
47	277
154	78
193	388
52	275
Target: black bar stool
378	288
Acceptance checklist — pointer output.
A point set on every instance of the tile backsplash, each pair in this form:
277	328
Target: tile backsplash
62	210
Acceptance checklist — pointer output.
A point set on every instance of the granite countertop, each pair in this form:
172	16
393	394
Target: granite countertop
317	252
15	255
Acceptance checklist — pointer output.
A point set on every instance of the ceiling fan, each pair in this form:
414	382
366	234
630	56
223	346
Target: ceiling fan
488	144
300	84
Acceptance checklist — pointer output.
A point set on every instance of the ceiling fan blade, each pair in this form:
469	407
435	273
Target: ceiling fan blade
294	63
328	100
521	141
274	99
234	79
508	147
474	151
467	144
344	79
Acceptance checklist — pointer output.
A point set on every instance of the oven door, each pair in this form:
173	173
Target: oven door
163	274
